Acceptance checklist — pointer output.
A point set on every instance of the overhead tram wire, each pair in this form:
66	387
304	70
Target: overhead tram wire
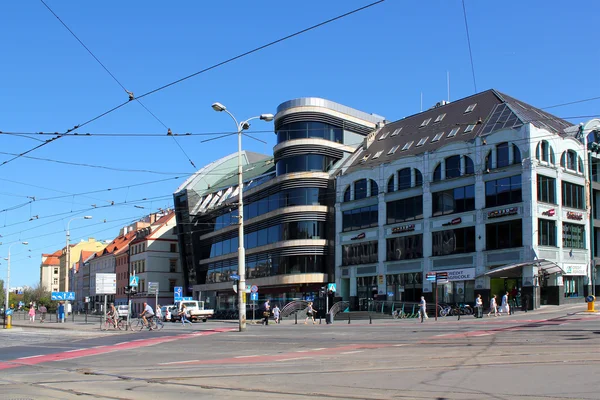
469	43
130	94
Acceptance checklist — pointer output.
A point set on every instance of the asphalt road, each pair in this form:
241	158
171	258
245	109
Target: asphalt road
548	355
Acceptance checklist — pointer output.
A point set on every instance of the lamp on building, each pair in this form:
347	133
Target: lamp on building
241	127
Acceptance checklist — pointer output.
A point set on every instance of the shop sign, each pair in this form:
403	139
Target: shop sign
549	213
574	215
455	221
465	274
359	236
579	270
503	213
403	228
381	279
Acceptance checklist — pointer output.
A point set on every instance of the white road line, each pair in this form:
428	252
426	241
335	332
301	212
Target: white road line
24	358
256	355
399	345
98	347
301	351
352	352
319	349
483	334
179	362
297	358
117	344
72	351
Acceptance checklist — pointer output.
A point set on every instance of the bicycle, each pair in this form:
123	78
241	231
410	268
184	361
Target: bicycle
151	325
110	321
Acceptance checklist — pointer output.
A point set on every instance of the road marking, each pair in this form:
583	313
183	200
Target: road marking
398	345
293	359
117	344
256	355
178	362
74	350
301	351
24	358
319	349
352	352
483	334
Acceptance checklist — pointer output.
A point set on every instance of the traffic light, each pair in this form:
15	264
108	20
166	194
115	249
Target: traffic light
130	290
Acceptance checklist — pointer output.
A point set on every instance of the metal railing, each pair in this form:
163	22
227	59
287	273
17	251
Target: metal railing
296	306
339	307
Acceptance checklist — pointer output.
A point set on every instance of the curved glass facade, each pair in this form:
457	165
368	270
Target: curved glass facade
272	234
264	266
304	163
305	130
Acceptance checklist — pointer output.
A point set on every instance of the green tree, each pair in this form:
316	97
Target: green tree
2	293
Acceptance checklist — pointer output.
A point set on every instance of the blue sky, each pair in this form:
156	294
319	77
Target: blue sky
379	60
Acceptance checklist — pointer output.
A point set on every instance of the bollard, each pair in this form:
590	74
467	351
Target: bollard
348	319
8	321
590	302
296	318
370	321
319	320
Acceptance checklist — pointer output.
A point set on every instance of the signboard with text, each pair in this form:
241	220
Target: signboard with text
106	283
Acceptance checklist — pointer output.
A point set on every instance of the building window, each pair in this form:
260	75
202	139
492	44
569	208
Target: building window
360	253
454	200
142	285
360	189
390	185
546	232
469	166
573	236
172	284
404	248
404	209
572	195
568	160
502	155
173	247
546	189
437	173
309	129
503	191
173	265
347	194
504	235
55	271
374	188
360	218
55	281
453	241
516	154
304	163
452	167
404	179
573	286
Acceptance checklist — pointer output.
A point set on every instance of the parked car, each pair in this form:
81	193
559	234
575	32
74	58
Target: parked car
172	309
123	310
196	310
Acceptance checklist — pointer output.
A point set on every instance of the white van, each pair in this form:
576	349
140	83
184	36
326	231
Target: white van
123	310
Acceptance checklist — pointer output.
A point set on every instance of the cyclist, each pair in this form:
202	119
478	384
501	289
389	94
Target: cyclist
147	313
112	314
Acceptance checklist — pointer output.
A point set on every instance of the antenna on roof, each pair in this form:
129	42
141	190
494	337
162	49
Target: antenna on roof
448	83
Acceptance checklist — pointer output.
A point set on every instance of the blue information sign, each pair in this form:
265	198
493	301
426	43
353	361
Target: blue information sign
178	293
254	296
62	296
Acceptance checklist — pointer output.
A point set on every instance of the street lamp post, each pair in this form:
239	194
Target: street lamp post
241	250
68	255
8	283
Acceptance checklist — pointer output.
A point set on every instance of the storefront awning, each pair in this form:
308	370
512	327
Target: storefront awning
514	270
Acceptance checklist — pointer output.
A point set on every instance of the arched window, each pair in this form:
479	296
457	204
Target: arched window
418	178
502	155
580	165
452	167
347	194
568	160
469	166
516	154
374	188
404	179
390	184
360	189
437	173
544	152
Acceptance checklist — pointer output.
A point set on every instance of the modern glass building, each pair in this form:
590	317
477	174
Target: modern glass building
288	208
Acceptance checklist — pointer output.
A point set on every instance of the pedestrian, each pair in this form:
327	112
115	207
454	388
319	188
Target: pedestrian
423	309
168	314
158	313
43	310
478	307
493	306
266	312
504	307
526	303
61	312
276	313
183	313
518	298
32	313
310	313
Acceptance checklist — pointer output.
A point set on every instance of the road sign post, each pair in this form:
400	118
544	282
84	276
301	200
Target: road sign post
178	293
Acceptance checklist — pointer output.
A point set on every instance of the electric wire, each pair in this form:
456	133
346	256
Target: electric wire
469	43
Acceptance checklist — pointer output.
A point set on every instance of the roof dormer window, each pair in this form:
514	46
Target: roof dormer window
393	149
453	132
384	136
437	137
469	128
396	132
422	141
407	145
470	108
439	118
425	123
377	154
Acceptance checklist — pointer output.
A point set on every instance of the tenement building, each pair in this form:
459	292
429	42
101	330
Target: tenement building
487	188
289	201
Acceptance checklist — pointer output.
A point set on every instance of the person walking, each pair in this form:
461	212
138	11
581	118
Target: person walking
158	312
31	313
310	313
478	307
266	312
183	313
43	310
276	312
504	307
61	312
423	309
493	306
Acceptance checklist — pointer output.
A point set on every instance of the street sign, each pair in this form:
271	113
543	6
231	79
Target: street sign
331	287
430	276
248	288
235	277
9	312
62	296
106	284
178	293
19	291
134	281
153	288
442	277
186	299
254	296
254	289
